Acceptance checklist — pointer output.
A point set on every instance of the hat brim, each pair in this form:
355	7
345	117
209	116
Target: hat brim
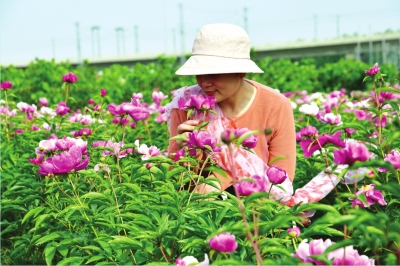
207	64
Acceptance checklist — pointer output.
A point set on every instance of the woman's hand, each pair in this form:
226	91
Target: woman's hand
184	129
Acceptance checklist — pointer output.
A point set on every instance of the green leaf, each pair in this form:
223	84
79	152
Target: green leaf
95	195
51	237
125	242
33	212
71	261
95	258
49	252
388	89
372	163
179	137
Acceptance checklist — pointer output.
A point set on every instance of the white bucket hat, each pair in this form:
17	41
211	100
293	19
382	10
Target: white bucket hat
218	49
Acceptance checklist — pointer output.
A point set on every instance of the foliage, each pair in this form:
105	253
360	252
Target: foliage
145	211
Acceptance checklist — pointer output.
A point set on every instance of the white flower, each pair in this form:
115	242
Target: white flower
309	109
294	105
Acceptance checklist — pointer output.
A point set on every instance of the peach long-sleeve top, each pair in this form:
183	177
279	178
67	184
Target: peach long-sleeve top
270	109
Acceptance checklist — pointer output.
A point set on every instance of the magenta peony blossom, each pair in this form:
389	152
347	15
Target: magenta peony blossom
180	153
83	132
353	152
64	162
373	70
201	140
90	101
276	175
70	78
198	102
341	256
249	142
309	146
223	242
308	131
6	85
294	231
158	96
62	108
103	92
371	195
43	102
136	111
394	158
246	188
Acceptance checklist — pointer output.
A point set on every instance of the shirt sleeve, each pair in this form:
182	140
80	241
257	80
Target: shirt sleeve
177	117
283	141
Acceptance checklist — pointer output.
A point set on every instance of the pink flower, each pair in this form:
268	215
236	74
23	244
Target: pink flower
62	108
332	119
64	162
6	85
190	260
137	95
247	188
371	196
309	146
362	115
294	231
308	131
201	140
83	132
43	101
249	142
115	146
276	175
394	158
19	131
158	96
353	152
180	153
373	70
103	92
349	131
35	128
341	256
70	78
223	242
90	101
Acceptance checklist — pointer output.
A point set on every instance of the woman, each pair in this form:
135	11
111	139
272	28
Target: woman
220	60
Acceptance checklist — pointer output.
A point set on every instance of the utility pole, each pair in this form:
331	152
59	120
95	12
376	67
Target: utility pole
315	27
358	49
78	44
93	42
182	58
174	40
245	19
338	26
370	47
53	44
119	32
98	41
136	39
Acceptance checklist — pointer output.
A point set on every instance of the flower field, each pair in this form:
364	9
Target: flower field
86	178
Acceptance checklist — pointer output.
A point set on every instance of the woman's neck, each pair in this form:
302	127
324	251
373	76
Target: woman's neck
239	101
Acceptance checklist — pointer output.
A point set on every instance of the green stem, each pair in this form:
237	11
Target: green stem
66	93
148	132
83	207
6	116
241	207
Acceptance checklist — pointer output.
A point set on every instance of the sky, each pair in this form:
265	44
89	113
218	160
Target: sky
47	29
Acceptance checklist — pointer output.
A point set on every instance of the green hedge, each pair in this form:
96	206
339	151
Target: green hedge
42	78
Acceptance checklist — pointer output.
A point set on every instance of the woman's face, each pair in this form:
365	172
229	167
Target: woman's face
221	86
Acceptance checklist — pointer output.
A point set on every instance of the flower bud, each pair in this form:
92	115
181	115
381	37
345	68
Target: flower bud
294	232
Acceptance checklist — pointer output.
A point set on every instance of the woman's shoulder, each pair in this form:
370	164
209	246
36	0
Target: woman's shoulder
269	94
